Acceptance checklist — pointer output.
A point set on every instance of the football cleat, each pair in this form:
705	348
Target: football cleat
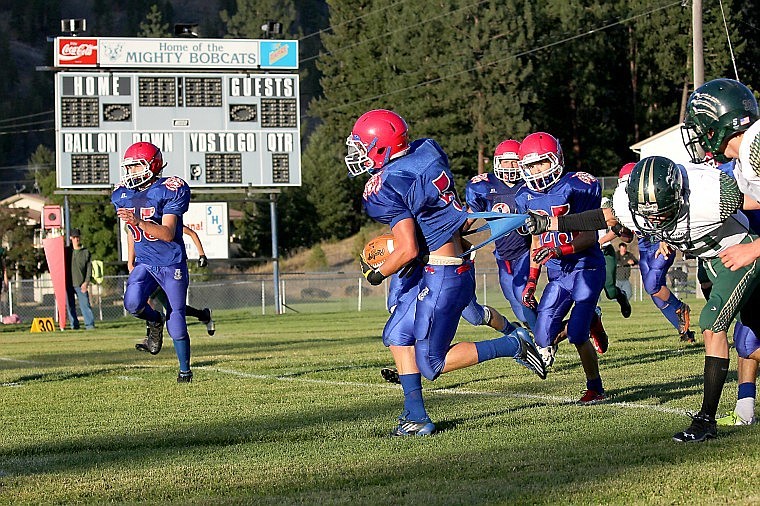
548	354
591	397
209	322
702	428
597	334
155	337
688	337
143	346
411	428
684	317
625	305
185	377
528	356
390	375
733	418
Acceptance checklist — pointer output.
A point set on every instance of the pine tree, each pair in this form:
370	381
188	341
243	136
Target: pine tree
153	25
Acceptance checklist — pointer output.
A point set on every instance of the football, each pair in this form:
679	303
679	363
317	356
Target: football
377	251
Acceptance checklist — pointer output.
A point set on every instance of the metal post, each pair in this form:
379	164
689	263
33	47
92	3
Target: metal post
485	287
10	297
275	254
697	44
263	299
67	216
359	297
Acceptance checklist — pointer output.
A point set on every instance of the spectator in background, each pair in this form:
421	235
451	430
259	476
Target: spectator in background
625	261
79	273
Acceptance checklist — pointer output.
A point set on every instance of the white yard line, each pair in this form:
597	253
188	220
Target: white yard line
551	399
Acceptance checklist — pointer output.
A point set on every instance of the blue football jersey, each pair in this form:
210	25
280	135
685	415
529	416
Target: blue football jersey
418	185
488	193
166	196
575	192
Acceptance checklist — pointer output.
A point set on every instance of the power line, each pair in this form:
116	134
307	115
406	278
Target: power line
7	120
27	131
7	128
403	28
331	27
500	60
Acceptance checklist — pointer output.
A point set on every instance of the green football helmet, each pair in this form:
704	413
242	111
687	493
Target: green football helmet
715	112
655	196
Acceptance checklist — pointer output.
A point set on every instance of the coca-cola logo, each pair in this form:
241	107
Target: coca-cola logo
78	51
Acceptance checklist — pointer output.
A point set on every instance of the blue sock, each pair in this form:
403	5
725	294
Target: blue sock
504	346
414	404
668	308
508	327
595	385
747	390
182	348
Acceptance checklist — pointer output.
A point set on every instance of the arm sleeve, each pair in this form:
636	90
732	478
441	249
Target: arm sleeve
593	219
731	198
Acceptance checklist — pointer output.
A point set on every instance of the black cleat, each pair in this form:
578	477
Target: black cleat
390	375
688	337
142	346
625	305
702	428
528	356
185	377
684	318
208	321
155	338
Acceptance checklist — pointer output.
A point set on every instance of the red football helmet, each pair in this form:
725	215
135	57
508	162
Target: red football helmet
142	162
377	137
538	148
507	151
625	170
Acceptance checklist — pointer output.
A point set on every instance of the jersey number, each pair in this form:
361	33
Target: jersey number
446	192
145	214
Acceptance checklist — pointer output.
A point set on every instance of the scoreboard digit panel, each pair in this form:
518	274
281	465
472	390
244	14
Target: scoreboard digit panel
215	129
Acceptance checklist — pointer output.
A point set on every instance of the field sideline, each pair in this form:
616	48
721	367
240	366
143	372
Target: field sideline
291	409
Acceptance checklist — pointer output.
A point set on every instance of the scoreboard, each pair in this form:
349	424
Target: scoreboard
219	118
213	129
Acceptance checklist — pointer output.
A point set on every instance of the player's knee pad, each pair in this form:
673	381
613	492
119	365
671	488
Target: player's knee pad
745	340
475	314
176	326
134	303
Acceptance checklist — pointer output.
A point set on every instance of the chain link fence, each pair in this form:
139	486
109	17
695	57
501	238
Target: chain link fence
311	292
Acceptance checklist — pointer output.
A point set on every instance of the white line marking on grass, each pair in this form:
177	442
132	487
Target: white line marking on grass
8	359
552	399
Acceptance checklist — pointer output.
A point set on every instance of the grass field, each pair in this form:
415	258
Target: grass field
291	409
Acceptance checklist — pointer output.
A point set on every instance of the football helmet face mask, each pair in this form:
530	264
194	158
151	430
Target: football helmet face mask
142	163
715	112
509	152
656	196
377	137
541	161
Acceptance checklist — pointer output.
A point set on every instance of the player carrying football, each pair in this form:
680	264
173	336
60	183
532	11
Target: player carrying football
152	208
411	189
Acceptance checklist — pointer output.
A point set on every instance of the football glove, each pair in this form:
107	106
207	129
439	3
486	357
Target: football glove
529	292
546	253
408	269
374	276
536	223
202	261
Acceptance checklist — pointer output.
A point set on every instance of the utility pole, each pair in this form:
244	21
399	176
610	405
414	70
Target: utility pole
697	44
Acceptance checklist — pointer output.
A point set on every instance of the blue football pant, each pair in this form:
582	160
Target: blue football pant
513	276
428	313
144	279
578	289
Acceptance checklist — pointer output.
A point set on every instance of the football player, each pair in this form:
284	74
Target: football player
611	290
202	315
722	119
411	189
495	192
662	197
574	261
152	207
655	257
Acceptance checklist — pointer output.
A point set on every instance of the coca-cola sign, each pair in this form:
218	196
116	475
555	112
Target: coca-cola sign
77	51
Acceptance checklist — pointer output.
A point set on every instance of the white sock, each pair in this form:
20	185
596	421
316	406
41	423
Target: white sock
745	408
